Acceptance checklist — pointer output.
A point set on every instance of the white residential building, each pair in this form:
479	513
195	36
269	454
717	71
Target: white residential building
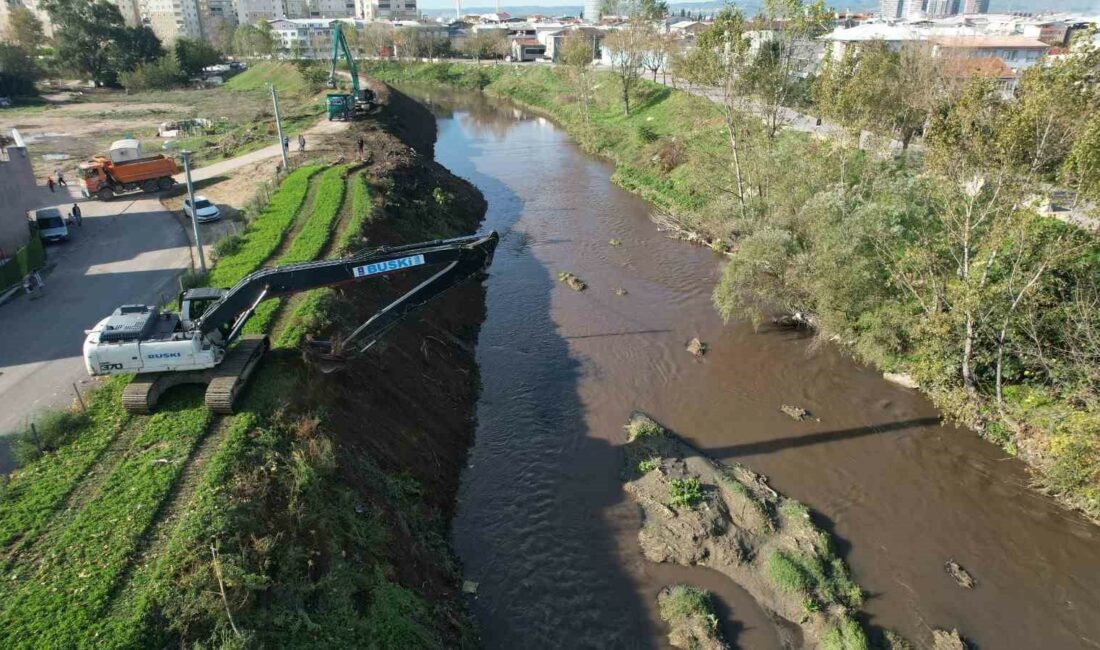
251	12
171	19
320	8
1017	52
389	10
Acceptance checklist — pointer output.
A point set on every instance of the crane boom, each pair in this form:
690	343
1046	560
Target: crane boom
339	105
340	46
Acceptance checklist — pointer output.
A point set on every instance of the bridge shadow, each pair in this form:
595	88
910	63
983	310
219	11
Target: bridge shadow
822	437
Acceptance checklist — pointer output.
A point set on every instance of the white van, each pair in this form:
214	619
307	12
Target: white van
51	225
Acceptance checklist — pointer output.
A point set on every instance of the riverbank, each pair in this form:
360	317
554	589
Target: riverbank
317	514
818	219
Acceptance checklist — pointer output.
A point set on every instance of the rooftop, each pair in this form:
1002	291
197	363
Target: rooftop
973	42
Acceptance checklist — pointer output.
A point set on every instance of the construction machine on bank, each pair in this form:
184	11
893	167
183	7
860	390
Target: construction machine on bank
202	343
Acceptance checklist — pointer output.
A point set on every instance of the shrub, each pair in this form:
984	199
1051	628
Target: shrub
648	465
846	636
161	74
640	428
227	246
50	432
670	154
646	134
685	491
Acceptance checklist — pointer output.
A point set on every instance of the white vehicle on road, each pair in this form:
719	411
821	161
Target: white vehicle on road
205	210
50	225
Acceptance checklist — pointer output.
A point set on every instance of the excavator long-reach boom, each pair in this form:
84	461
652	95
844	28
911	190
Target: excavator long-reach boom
194	346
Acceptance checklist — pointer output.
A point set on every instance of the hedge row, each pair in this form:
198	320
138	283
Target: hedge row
310	240
265	234
29	258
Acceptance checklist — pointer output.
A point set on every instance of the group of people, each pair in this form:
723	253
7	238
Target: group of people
301	143
50	182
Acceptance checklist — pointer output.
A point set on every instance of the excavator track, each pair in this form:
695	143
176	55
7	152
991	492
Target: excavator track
142	393
231	375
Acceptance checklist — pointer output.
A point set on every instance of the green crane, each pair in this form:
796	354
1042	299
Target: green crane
343	106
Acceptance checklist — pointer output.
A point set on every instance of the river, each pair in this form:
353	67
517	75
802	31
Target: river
542	522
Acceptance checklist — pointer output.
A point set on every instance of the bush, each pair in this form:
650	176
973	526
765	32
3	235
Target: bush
17	72
161	74
646	134
50	432
192	278
228	245
685	491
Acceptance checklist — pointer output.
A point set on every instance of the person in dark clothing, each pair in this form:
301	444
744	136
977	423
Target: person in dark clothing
49	183
359	144
77	217
301	143
286	144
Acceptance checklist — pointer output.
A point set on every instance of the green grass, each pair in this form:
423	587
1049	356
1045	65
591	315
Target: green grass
265	234
685	492
311	314
309	242
285	76
848	635
641	427
35	492
690	617
648	465
69	589
821	577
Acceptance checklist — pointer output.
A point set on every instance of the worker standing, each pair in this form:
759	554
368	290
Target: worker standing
77	217
49	182
60	178
286	144
301	143
359	144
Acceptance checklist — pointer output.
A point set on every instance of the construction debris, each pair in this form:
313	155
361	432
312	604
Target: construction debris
575	283
795	412
955	570
697	347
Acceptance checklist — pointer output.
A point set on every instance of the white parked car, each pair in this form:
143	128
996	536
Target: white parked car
205	210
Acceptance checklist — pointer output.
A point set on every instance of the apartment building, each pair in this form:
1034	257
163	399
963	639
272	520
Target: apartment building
389	10
251	12
172	19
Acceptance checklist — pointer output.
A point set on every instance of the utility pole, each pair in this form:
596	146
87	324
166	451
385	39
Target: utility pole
194	211
279	128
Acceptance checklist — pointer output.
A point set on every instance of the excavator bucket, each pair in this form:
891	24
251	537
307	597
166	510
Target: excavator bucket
325	355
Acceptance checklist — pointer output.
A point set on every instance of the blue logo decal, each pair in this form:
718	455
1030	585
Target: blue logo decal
387	266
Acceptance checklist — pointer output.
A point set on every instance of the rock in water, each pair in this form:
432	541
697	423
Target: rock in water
697	347
575	283
955	570
795	412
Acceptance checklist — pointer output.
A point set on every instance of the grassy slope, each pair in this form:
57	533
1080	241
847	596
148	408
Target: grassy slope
61	599
664	120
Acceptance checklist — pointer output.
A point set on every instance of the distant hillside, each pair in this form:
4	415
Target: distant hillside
444	8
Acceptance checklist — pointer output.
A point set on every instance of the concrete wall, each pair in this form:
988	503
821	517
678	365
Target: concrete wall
18	193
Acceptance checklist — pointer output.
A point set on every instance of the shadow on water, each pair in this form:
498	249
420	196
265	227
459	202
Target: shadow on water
821	437
537	488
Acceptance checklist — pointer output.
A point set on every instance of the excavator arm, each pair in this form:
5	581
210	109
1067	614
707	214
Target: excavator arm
459	258
340	48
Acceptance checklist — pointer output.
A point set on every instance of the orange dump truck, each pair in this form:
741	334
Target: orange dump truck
124	169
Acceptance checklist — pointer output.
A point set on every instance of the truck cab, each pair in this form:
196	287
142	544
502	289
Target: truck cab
93	178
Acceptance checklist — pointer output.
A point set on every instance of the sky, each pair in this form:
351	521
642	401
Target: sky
1087	6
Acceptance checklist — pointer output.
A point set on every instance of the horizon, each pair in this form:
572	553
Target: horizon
995	5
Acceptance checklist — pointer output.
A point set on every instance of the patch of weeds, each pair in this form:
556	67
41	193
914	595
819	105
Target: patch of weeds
641	428
648	465
192	278
685	492
49	433
787	574
848	635
228	245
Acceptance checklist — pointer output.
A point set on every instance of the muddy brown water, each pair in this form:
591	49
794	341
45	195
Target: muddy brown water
542	523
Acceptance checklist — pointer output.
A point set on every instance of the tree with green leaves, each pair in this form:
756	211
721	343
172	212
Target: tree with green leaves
92	38
253	41
774	75
25	29
193	55
578	51
17	72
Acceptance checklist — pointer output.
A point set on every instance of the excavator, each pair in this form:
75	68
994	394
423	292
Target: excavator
343	106
196	345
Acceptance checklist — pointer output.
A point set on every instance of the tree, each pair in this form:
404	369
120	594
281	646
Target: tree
374	37
93	39
193	55
161	74
25	29
629	44
17	72
720	60
578	50
774	76
486	43
659	53
252	41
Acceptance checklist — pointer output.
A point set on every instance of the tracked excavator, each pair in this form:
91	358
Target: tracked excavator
202	343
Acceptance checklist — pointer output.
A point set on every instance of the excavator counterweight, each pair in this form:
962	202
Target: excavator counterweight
202	343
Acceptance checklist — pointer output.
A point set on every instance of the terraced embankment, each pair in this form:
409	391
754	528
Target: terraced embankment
292	521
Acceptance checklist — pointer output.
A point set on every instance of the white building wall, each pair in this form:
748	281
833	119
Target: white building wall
171	19
250	12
